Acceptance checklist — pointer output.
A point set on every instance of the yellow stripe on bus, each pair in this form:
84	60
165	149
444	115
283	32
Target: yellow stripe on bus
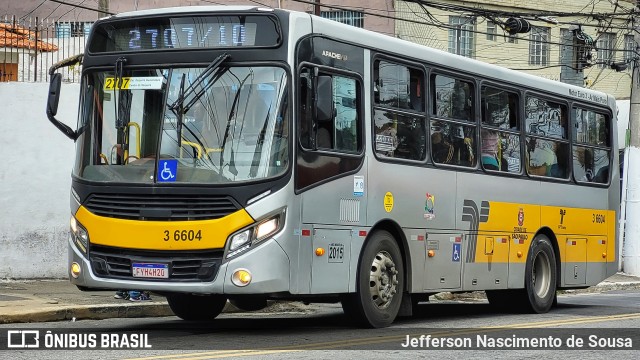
162	235
582	234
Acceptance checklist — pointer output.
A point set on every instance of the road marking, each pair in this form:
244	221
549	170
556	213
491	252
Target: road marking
384	339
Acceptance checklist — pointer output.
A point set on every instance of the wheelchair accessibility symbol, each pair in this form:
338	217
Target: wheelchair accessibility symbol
167	170
455	256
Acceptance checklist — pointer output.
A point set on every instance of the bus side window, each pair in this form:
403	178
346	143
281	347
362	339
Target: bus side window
397	133
592	146
548	149
338	131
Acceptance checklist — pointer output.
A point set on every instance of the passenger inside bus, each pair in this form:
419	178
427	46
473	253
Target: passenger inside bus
489	150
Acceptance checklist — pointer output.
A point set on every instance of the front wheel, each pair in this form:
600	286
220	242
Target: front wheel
380	282
196	307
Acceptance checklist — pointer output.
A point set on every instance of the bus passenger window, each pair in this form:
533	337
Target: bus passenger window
500	138
452	98
453	144
545	118
399	136
547	146
592	149
399	91
547	158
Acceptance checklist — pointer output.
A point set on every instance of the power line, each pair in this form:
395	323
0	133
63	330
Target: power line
81	7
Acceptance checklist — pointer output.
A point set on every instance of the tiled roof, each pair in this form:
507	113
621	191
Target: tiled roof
19	37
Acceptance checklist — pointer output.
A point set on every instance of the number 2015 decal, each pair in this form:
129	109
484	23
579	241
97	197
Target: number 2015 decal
336	253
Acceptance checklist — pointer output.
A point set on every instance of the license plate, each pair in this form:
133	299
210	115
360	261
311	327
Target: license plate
145	270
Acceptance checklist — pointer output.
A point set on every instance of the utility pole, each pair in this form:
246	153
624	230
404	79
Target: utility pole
316	8
631	246
103	6
571	69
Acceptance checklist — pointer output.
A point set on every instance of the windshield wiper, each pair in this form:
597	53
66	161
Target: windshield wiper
211	70
180	113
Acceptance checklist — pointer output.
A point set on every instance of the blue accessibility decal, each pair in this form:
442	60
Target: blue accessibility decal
167	170
456	252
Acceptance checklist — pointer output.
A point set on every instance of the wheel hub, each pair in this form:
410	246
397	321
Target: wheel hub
541	275
383	280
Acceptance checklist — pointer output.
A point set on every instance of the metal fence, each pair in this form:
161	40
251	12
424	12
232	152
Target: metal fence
29	46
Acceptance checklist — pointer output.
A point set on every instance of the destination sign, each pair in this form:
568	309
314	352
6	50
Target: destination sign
186	33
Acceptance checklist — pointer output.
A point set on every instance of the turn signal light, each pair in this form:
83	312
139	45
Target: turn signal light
431	253
241	277
319	251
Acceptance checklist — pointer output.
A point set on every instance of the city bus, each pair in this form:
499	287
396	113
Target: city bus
247	154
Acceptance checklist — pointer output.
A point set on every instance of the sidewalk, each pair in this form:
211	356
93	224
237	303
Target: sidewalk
57	300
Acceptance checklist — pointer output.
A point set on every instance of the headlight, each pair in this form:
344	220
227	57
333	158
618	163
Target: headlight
242	241
79	234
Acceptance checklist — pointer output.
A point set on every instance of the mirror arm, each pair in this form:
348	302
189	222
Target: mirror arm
77	59
70	133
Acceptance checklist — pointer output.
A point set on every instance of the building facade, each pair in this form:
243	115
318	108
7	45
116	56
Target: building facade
359	13
579	42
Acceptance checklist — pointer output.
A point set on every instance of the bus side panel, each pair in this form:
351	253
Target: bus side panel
336	216
422	202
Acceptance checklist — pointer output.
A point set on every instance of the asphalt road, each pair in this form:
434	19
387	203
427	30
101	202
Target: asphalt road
325	333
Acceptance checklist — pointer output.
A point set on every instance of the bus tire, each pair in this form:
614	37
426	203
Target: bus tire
540	276
196	307
502	300
379	283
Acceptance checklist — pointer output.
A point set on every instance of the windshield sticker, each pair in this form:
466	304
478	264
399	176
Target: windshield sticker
388	202
167	170
134	83
358	186
429	206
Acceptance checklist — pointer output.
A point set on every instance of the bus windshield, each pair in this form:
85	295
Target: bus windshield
235	130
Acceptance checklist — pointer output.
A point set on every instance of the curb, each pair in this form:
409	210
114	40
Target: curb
89	312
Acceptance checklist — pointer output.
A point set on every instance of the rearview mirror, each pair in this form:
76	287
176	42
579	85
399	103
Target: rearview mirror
324	98
54	94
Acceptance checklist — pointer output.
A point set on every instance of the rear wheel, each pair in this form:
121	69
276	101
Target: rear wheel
380	282
196	307
540	275
539	292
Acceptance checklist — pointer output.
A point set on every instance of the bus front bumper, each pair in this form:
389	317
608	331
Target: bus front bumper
267	263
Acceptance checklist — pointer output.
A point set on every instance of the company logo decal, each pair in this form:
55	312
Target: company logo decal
520	217
471	214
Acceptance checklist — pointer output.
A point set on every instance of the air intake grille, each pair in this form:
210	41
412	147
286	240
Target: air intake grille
183	265
161	207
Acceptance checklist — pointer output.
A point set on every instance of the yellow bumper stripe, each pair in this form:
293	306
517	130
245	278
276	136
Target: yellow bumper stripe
162	235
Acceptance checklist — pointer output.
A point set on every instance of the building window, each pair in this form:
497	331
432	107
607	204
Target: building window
72	29
539	46
353	18
511	39
491	31
606	43
461	39
629	50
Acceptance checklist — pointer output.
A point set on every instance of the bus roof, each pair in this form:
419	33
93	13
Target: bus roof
187	9
389	44
385	43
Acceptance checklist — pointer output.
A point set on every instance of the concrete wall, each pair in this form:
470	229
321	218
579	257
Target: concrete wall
35	180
